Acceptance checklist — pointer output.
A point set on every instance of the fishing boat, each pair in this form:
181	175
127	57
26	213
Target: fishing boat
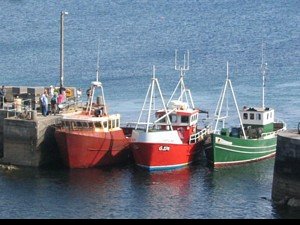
167	137
255	137
92	137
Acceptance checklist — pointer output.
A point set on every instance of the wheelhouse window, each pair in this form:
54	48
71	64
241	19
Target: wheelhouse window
78	124
110	124
105	124
66	124
194	117
184	119
85	125
251	116
173	118
98	125
258	116
245	116
162	120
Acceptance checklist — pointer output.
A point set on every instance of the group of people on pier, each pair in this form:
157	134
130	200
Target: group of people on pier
55	99
51	100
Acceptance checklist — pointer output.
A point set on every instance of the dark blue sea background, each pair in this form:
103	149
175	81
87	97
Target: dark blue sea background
134	36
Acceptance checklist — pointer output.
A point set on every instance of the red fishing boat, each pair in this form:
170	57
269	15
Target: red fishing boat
168	138
92	137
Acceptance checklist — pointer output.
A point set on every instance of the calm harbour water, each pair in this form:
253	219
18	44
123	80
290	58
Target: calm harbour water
134	35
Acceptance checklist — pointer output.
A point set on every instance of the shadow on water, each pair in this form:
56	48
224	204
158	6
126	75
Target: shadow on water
50	155
287	212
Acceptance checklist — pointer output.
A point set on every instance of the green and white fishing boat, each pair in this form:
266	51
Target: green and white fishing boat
254	139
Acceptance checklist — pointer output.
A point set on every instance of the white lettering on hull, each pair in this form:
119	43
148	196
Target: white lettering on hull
164	148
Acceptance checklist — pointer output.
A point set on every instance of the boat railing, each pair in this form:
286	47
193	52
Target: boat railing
268	133
283	125
276	131
130	124
73	126
141	126
20	108
199	135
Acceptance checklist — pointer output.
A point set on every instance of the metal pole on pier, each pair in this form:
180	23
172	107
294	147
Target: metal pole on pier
62	48
263	71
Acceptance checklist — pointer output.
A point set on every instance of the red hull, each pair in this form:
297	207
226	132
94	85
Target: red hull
156	156
84	149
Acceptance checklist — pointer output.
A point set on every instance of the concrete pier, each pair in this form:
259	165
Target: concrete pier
286	177
27	137
28	142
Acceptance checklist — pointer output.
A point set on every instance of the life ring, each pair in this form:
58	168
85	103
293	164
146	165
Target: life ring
69	93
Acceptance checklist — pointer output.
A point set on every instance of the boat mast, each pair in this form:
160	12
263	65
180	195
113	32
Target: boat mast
94	85
184	92
151	99
263	71
220	104
97	69
150	96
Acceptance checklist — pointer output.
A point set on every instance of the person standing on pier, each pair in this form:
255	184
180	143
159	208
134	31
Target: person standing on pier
2	96
51	91
44	102
54	104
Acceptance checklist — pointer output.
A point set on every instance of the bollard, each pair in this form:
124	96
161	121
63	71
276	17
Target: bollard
33	114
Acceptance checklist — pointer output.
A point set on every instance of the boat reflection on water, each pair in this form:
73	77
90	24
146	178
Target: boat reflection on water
241	185
96	180
177	181
163	194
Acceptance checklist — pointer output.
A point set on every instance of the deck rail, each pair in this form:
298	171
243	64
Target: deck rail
199	135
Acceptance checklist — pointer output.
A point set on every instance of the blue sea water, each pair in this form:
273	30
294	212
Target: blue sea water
134	36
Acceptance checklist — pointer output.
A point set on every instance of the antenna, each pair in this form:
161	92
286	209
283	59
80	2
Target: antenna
263	71
97	70
153	72
227	75
175	59
186	62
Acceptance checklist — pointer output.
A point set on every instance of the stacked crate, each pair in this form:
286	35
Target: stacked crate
34	94
17	91
9	94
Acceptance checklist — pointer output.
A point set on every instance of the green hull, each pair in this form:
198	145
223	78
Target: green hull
228	150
